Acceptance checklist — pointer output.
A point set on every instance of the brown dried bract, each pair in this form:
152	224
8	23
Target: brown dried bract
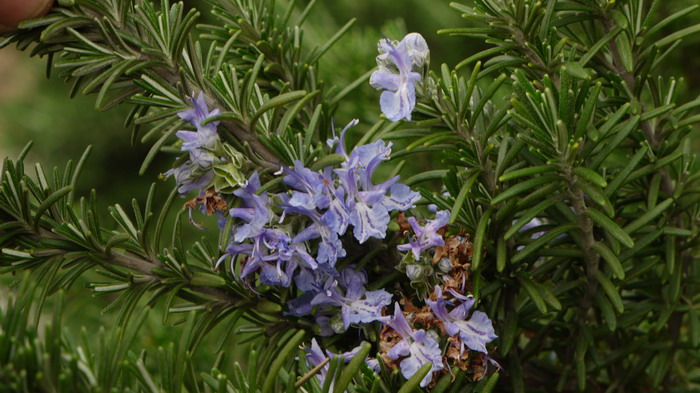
458	250
404	225
478	366
387	339
210	200
420	316
454	345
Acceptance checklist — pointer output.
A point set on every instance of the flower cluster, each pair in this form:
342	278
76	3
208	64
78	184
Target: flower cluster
301	238
294	237
197	172
399	98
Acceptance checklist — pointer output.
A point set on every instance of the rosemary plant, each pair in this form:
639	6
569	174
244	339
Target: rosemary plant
553	246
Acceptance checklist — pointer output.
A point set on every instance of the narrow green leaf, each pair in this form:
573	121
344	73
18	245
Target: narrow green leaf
625	52
549	297
280	100
48	202
606	310
479	237
535	170
598	45
542	241
461	197
279	361
412	384
493	379
611	259
329	160
588	109
610	290
436	174
529	215
522	187
597	195
648	216
484	54
671	38
352	368
610	227
625	172
317	54
534	294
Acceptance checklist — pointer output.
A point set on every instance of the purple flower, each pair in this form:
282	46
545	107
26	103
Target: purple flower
368	203
427	236
196	173
357	304
201	142
315	356
274	255
399	98
189	177
474	332
417	348
199	113
340	149
254	211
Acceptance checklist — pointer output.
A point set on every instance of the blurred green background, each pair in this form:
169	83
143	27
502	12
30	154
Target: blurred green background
34	108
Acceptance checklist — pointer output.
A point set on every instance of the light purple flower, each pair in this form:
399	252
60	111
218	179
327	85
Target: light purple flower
474	332
255	211
199	113
336	199
369	204
357	304
315	356
417	347
399	98
426	236
274	255
201	142
189	177
196	173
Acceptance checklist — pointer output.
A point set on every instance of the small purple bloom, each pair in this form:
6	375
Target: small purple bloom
199	113
417	348
474	332
254	211
315	356
357	304
399	98
426	236
188	177
196	173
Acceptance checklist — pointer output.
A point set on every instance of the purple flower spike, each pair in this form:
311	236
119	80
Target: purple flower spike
417	348
196	172
399	98
474	332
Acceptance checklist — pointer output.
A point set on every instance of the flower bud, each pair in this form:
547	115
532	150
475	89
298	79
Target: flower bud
414	272
445	265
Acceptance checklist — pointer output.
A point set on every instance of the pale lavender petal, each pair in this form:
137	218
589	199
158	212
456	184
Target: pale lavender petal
383	78
401	198
369	222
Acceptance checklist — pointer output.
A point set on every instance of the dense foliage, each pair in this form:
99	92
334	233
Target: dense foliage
553	245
